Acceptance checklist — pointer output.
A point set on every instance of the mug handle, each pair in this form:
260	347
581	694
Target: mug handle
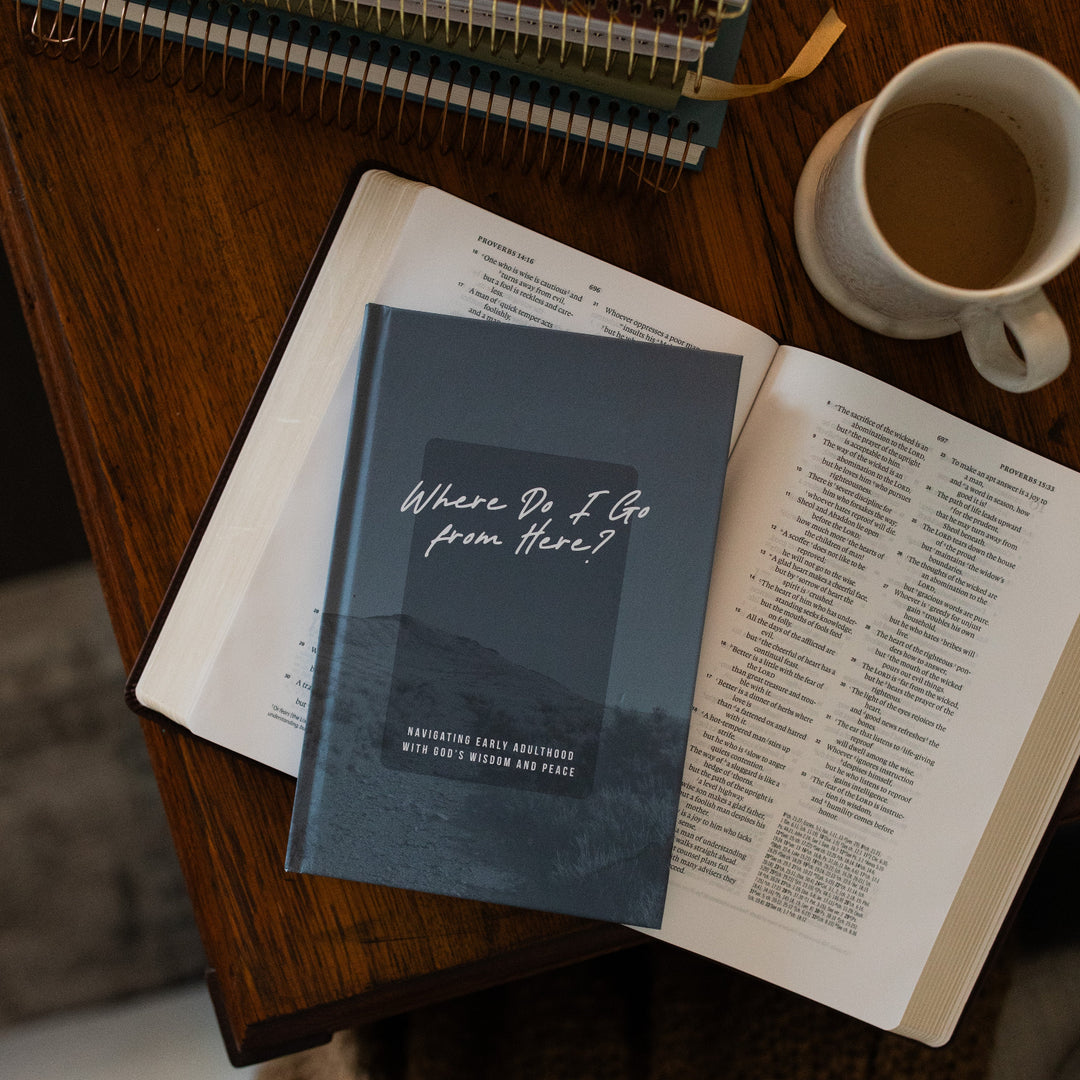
1038	331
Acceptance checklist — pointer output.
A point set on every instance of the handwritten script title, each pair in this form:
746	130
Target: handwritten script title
593	524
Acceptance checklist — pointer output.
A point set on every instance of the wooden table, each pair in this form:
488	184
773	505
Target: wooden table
158	237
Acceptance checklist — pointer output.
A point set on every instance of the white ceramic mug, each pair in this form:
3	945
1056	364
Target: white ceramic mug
853	266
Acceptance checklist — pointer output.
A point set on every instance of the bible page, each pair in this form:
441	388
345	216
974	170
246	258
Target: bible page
892	590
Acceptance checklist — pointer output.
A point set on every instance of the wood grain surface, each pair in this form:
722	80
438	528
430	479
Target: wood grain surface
158	236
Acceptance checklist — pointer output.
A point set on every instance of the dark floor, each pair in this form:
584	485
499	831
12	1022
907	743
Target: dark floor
41	528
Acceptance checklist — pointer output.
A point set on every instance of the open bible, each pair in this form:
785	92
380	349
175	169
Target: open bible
887	695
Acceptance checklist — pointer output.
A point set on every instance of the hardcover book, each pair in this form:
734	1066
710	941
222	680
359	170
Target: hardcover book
518	575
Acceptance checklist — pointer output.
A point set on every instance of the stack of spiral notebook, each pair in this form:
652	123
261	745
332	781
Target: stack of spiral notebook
523	80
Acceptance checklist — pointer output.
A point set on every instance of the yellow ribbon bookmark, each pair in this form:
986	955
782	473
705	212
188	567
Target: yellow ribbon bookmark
810	55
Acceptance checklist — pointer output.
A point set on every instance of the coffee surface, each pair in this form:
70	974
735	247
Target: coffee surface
951	192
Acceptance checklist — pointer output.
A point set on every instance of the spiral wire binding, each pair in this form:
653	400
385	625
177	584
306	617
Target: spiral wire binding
354	101
643	22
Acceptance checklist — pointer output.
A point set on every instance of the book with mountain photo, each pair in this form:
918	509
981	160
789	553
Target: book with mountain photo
505	670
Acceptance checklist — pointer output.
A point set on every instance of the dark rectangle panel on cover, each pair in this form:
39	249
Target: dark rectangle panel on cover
466	573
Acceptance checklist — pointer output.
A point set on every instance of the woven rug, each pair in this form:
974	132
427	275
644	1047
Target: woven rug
92	902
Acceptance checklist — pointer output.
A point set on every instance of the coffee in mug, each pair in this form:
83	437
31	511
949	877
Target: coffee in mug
946	202
951	192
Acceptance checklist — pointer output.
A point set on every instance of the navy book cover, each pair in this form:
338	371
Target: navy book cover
510	637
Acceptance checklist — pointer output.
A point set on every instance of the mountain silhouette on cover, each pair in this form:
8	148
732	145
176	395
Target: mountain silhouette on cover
473	697
582	854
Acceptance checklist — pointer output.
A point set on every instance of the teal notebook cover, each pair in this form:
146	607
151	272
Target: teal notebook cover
509	642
